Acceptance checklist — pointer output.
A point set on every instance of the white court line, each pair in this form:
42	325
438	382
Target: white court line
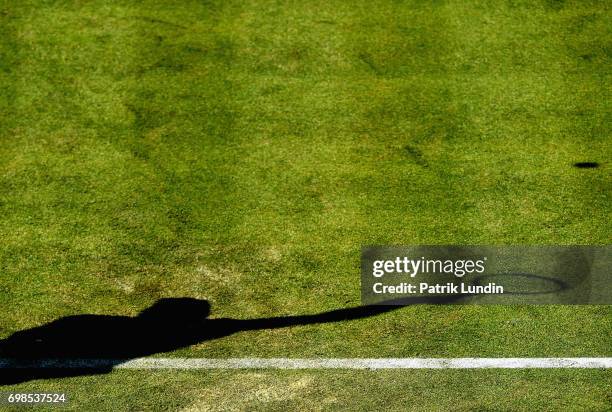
314	363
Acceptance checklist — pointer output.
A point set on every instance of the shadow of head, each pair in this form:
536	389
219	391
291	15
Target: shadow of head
172	311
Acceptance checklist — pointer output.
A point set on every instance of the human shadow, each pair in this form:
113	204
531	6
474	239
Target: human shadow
94	344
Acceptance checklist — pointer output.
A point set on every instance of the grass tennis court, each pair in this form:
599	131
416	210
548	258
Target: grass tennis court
243	152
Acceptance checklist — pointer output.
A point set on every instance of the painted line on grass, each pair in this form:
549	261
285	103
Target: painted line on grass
314	363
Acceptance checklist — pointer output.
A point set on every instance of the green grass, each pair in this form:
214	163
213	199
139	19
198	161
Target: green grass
433	390
243	152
